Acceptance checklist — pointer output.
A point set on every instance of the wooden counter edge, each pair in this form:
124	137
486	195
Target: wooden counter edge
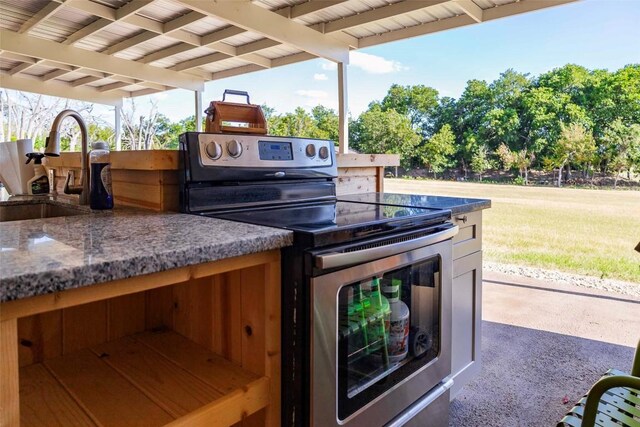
71	297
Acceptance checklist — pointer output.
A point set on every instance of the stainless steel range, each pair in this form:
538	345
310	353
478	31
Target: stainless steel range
366	291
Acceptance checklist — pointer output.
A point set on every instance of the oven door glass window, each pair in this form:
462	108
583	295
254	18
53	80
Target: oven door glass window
388	328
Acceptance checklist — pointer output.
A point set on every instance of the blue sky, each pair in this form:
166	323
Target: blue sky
592	33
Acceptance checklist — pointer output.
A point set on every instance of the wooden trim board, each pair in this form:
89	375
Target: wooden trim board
350	160
133	160
9	382
168	160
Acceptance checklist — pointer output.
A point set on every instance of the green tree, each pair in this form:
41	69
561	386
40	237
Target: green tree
622	147
520	160
470	120
576	144
504	119
326	121
386	132
480	161
437	151
299	123
417	102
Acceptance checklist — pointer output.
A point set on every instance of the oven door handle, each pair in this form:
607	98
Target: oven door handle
341	259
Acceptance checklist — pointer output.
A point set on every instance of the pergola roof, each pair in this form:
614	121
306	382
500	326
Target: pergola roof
105	50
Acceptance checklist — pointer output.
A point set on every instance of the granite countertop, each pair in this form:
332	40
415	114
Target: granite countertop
457	205
49	255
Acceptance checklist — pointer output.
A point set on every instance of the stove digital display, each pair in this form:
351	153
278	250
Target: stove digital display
273	150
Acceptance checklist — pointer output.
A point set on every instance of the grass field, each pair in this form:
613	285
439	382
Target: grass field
590	232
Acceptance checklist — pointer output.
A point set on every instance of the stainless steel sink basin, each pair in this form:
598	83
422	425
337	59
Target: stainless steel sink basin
21	211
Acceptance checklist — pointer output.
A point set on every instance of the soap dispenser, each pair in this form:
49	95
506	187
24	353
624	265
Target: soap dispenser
39	184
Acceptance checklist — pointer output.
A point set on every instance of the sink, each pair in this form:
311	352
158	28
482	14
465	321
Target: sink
21	211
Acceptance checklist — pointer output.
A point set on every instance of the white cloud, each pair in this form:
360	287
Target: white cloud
371	64
313	97
374	64
329	66
320	76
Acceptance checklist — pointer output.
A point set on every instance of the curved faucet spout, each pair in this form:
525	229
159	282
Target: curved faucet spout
52	148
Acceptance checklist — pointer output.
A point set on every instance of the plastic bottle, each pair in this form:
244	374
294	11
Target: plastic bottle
398	345
101	195
39	184
378	318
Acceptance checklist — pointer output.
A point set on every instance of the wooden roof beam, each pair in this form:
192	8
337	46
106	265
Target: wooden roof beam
73	56
52	75
100	24
153	29
199	62
312	6
417	30
270	24
471	9
167	28
23	67
460	21
41	16
61	89
378	14
87	80
277	62
521	7
113	86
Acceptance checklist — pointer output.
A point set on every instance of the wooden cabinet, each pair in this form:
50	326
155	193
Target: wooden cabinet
192	346
467	300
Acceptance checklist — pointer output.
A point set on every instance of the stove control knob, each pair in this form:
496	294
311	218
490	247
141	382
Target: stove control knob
311	150
214	150
324	152
234	148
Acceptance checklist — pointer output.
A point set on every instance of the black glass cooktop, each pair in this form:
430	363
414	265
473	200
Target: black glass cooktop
337	222
417	200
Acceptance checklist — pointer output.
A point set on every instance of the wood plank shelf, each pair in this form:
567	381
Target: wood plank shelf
152	379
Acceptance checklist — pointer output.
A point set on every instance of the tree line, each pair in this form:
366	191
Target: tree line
568	119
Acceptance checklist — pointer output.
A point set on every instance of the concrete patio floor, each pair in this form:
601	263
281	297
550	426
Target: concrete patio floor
542	342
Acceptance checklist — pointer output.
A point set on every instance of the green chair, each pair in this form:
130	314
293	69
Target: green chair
612	401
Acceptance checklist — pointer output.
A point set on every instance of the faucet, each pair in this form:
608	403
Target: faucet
52	149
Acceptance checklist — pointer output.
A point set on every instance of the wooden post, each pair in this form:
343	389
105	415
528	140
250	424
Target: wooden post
343	106
9	389
118	125
199	111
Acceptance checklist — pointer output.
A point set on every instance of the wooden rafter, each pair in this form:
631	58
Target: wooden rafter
125	11
274	26
152	29
73	56
60	89
378	14
460	21
42	15
471	9
104	76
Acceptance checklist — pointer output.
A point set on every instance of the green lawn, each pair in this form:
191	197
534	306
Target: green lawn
582	231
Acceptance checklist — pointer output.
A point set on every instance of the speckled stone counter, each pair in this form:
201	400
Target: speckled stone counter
48	255
457	205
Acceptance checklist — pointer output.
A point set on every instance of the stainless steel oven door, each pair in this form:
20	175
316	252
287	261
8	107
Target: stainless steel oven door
381	333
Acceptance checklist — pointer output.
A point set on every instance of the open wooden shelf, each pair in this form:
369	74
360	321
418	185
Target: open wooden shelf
151	379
